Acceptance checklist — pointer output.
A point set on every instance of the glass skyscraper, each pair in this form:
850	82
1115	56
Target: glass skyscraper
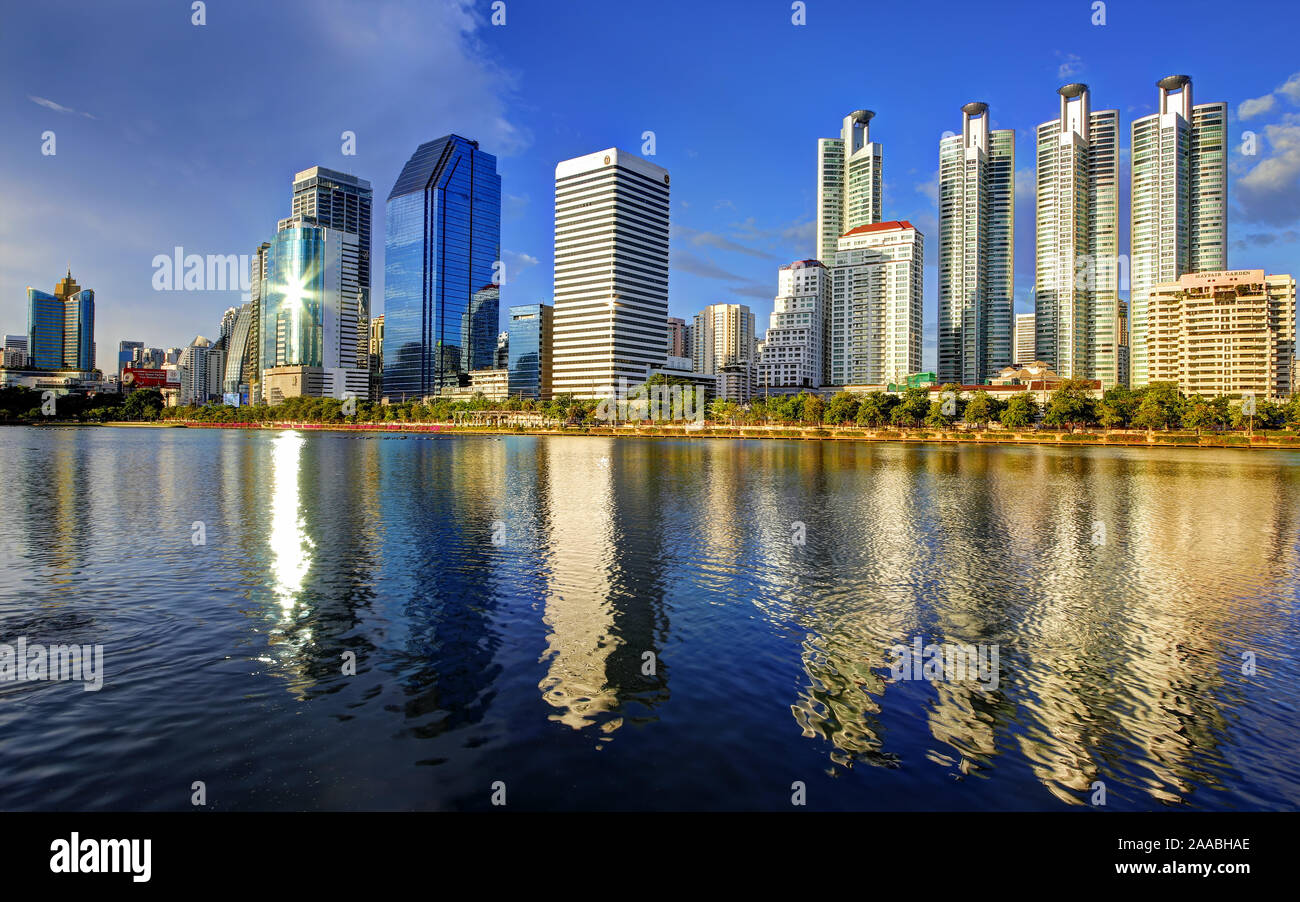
529	350
61	327
442	240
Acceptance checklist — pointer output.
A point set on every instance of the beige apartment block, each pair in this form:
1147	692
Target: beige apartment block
1224	333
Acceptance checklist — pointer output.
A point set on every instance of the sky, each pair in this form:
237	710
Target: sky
168	133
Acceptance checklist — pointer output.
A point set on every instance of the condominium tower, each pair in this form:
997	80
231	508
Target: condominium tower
1082	332
723	335
611	272
1223	333
874	325
1179	201
977	177
849	182
794	350
441	245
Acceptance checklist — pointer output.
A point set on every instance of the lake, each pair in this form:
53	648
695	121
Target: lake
339	621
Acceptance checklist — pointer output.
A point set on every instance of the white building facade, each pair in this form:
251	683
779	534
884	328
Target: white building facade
1179	197
874	326
794	349
849	182
611	272
977	178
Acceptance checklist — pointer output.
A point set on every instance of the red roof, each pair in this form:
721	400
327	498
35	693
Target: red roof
880	227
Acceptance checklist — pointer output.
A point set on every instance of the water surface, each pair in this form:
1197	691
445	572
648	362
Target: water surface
638	623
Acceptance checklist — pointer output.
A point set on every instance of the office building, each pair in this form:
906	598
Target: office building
977	178
875	317
237	379
336	200
1024	347
849	182
311	316
61	327
126	351
1223	333
442	240
794	348
1179	197
531	327
1081	322
611	272
202	368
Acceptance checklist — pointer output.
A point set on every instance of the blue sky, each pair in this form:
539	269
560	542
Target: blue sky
169	134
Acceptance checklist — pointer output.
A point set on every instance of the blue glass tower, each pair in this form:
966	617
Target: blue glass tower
530	351
61	327
442	240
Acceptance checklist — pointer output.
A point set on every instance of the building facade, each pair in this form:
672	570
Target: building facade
1223	333
1179	197
794	349
874	326
312	315
441	247
61	327
977	178
1081	322
529	367
723	335
678	345
849	182
1024	341
611	272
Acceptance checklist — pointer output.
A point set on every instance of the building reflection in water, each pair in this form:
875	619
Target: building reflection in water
291	547
604	601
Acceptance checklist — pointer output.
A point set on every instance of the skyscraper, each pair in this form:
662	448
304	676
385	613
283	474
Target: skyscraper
611	272
723	336
61	327
237	377
310	316
441	246
977	177
875	317
339	201
794	348
849	185
1080	319
1179	201
529	348
253	348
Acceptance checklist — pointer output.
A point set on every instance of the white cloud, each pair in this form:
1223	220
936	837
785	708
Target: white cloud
1291	88
1255	106
1071	65
1270	191
57	107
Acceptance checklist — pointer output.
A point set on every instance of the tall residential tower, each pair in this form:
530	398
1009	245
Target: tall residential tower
848	182
977	178
1179	201
1080	319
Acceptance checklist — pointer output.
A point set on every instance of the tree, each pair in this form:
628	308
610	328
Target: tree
143	404
813	409
912	408
1070	405
1151	414
1020	412
874	409
979	410
843	408
935	418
